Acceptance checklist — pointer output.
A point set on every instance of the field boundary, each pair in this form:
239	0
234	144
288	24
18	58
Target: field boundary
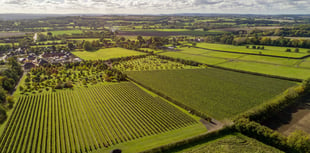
192	140
286	57
230	69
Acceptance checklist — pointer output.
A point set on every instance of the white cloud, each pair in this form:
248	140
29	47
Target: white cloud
155	6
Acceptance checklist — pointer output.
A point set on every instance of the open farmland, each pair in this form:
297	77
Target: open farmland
107	53
231	144
168	32
88	119
270	69
268	50
203	89
67	32
11	34
291	68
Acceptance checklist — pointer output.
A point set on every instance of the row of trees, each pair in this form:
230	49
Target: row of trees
9	79
236	40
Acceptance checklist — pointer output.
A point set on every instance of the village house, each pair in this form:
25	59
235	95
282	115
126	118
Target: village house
29	65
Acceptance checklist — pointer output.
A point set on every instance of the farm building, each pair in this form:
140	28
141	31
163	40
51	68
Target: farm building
42	62
28	66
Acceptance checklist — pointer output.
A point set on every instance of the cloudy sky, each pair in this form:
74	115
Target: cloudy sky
156	6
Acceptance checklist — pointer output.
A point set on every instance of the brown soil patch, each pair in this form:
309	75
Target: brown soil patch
295	118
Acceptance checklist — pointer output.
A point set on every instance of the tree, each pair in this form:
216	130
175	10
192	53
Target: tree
87	46
10	100
194	44
2	95
296	50
288	50
299	140
70	46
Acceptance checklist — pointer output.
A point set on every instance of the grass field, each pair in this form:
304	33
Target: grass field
11	34
89	119
104	54
278	70
10	44
269	50
68	32
293	68
204	89
234	143
86	39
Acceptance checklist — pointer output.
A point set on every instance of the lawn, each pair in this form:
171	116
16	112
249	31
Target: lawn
269	50
105	54
204	89
233	143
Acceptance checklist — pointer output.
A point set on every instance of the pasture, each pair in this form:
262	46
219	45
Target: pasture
105	54
277	70
269	50
232	143
292	68
89	119
67	32
203	89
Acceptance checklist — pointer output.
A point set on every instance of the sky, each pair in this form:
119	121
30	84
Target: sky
155	6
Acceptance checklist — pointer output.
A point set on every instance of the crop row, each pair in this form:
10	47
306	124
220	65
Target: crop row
87	119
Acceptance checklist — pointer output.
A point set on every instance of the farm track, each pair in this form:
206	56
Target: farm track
88	119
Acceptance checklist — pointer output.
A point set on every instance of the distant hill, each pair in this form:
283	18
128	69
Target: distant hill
28	16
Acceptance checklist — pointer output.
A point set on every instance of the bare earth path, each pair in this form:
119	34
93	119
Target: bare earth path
214	125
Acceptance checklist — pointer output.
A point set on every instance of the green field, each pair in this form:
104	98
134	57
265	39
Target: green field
89	119
68	32
234	143
104	54
204	89
86	39
269	50
293	68
193	57
150	63
277	70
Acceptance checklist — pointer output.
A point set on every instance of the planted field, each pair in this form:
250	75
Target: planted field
84	120
67	32
150	63
231	144
292	68
169	33
269	50
218	93
11	34
195	57
104	54
278	70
